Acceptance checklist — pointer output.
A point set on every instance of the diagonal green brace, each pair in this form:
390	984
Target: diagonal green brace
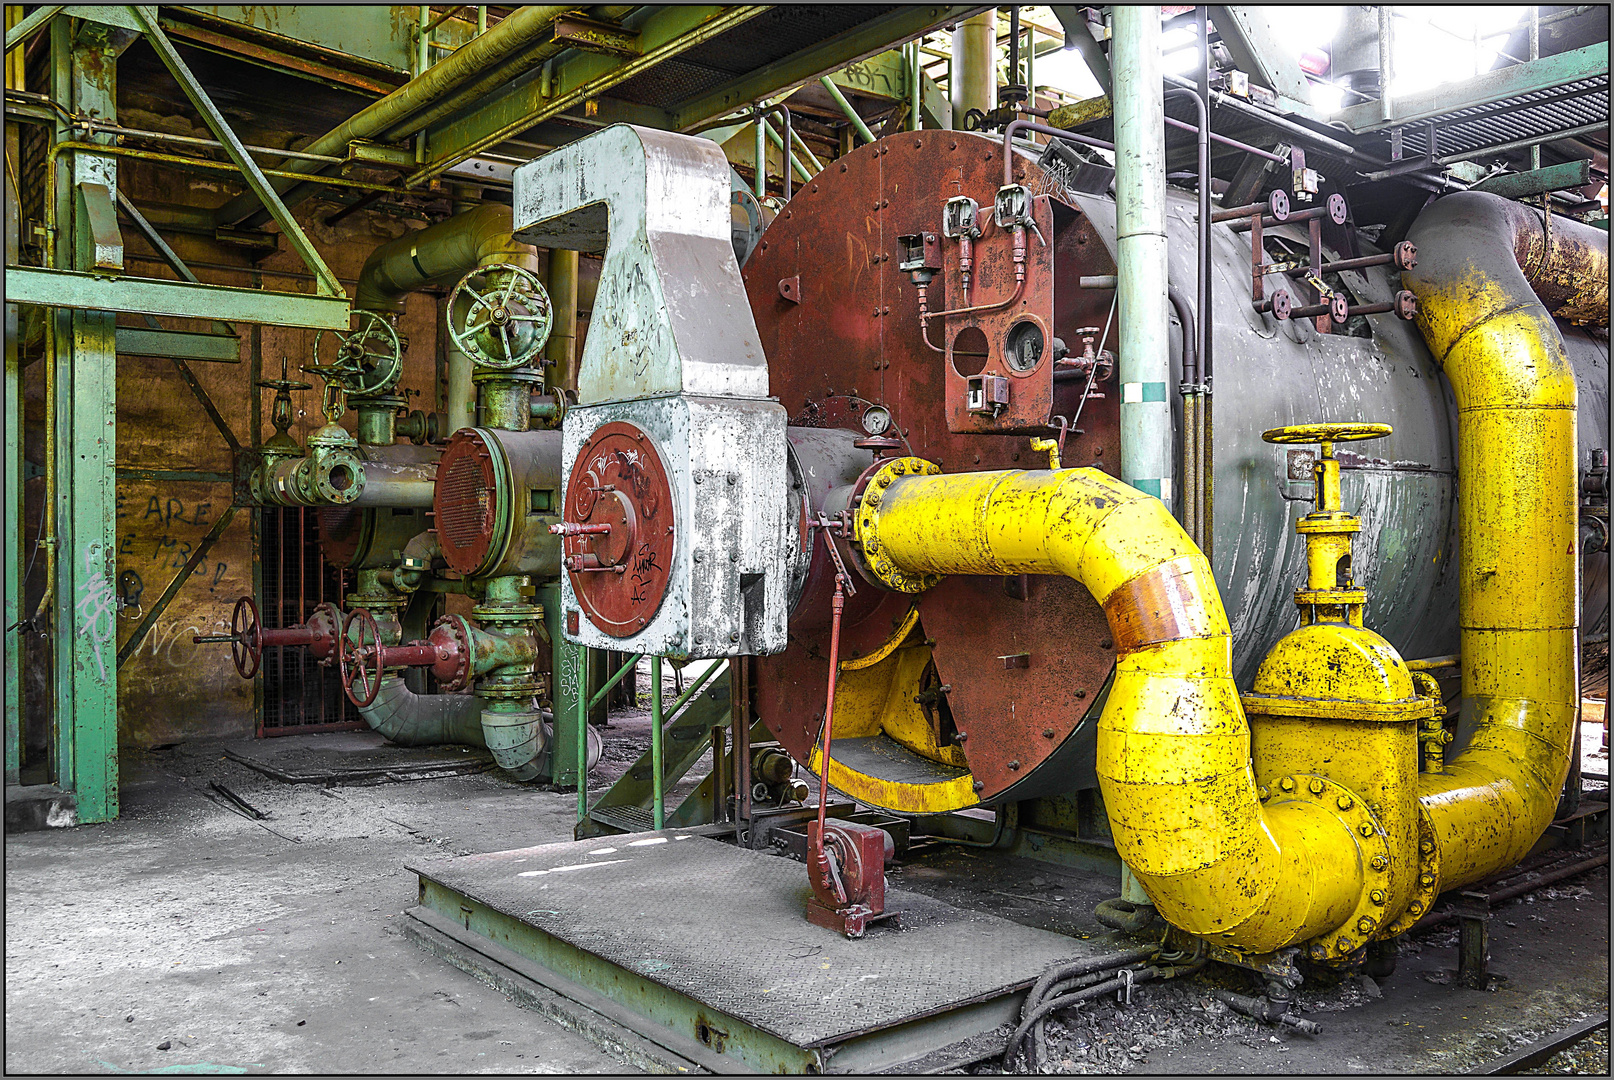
325	280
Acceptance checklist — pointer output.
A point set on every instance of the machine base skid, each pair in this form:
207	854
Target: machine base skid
697	952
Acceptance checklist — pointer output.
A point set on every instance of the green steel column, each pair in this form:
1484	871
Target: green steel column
657	809
563	688
85	618
580	670
1140	213
11	571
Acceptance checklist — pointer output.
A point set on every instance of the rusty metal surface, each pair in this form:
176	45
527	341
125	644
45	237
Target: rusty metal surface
620	577
465	502
853	341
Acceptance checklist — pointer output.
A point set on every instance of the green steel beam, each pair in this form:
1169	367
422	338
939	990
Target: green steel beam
874	36
179	345
156	296
1570	174
179	579
25	29
1526	78
846	107
166	253
325	281
664	33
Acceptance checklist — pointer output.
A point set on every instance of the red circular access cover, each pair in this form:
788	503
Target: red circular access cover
465	501
620	576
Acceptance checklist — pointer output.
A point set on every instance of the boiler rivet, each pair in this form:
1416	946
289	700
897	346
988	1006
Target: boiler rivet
978	785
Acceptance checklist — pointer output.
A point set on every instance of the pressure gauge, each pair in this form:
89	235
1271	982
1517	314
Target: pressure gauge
876	419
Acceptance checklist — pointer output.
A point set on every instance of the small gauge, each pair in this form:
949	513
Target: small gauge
876	419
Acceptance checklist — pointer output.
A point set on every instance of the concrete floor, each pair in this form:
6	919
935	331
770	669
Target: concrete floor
273	946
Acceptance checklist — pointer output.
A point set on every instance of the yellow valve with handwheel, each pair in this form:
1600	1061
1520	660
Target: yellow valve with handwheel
1330	585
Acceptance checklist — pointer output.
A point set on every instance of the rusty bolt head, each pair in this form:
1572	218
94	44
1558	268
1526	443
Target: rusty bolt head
1047	732
1315	787
1014	766
978	785
1344	802
1287	783
1364	925
1406	255
1381	863
1343	945
1406	305
900	468
1080	694
1377	896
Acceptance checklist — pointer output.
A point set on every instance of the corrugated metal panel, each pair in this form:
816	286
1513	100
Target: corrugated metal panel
1543	112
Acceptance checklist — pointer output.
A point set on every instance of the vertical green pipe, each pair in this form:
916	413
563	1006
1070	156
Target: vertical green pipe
481	19
846	107
916	79
582	734
423	52
972	84
657	810
761	181
1031	67
12	569
794	162
1140	201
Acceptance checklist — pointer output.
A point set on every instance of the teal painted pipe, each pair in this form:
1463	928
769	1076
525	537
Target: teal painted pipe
1140	202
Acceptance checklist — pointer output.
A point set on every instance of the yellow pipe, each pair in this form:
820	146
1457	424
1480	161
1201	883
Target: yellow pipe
1485	268
1250	869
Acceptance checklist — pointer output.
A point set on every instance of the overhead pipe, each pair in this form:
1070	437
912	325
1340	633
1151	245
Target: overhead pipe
1489	284
406	718
1173	743
439	254
973	82
1140	215
520	29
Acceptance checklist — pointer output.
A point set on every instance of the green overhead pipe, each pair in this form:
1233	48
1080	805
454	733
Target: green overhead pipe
846	107
761	179
1140	213
522	28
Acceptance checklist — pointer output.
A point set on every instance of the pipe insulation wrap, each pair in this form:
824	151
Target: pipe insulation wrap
1488	286
1143	351
404	717
439	254
1173	743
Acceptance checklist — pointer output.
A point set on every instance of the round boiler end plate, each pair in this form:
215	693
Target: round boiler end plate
466	500
619	573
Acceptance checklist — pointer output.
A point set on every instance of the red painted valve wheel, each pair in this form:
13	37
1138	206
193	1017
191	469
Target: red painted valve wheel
359	658
246	639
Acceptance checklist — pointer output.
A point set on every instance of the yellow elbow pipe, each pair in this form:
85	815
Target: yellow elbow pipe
1246	868
1488	285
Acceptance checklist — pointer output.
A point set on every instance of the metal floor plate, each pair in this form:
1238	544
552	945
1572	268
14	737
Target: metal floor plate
727	927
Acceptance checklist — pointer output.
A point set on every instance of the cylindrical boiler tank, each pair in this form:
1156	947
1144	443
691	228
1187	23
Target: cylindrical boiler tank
1006	670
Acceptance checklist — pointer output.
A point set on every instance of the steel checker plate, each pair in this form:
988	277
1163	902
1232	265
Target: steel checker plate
727	927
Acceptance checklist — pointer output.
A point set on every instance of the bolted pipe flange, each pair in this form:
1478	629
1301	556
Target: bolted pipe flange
865	525
1364	922
1428	879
